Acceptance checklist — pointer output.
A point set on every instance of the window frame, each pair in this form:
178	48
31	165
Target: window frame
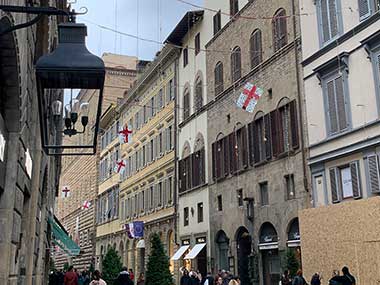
200	213
185	56
234	7
375	60
262	202
254	59
186	110
218	88
197	44
236	67
219	203
186	217
323	43
279	42
217	22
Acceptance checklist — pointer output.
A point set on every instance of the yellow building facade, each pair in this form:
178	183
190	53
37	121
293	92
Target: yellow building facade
145	189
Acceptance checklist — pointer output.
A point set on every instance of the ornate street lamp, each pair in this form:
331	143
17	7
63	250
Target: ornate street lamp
70	66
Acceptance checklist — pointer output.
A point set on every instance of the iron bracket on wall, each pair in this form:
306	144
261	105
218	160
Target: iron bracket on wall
40	12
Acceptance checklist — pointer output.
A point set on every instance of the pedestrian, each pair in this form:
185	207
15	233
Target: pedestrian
61	277
233	282
131	274
124	277
209	280
96	279
345	279
315	279
141	279
219	281
71	278
285	278
185	279
194	280
298	279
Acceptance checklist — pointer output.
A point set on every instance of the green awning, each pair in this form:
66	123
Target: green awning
61	238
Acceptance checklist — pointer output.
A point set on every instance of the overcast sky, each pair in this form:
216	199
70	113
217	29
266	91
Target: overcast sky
155	18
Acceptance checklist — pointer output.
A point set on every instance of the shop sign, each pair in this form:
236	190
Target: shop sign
200	240
186	242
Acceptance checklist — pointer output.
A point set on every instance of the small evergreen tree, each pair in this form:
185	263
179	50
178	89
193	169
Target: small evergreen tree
111	266
157	272
292	263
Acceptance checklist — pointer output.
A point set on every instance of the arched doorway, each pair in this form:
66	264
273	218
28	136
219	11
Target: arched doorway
270	257
294	240
243	250
222	242
9	95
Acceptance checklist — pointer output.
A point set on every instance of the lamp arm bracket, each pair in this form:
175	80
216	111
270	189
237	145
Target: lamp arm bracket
21	26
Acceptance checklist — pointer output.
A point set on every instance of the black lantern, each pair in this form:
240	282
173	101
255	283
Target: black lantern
250	208
66	116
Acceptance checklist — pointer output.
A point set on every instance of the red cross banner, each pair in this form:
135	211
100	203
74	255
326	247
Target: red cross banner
86	205
120	166
249	97
125	134
66	191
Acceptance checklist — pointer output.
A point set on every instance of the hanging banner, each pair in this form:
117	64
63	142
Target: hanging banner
135	229
120	166
125	134
249	97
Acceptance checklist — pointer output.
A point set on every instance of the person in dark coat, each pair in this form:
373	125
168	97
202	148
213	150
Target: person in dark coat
123	277
185	279
345	279
316	279
194	280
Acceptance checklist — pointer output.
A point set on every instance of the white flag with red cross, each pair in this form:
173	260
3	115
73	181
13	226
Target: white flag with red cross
120	166
125	134
86	205
249	97
65	191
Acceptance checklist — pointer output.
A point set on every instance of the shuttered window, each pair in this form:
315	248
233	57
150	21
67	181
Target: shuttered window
236	64
198	98
186	105
197	43
373	174
217	22
218	75
185	57
280	31
234	7
328	15
336	104
364	8
255	48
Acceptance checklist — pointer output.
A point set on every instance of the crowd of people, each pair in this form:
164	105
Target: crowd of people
73	277
337	279
193	277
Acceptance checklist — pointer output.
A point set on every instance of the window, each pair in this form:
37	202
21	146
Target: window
170	190
234	7
264	199
280	32
152	107
185	57
200	212
345	182
220	203
335	103
151	199
289	184
160	102
186	105
259	139
169	141
151	148
142	201
373	173
170	91
197	43
328	15
198	168
218	77
186	216
217	22
160	144
239	196
255	48
236	64
159	194
198	98
240	148
143	156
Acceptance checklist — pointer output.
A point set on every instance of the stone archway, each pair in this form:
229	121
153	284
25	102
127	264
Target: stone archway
222	245
243	250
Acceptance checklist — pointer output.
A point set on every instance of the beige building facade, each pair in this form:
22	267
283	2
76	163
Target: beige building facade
80	173
144	191
341	77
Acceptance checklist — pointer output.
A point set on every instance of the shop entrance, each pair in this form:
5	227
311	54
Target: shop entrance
244	248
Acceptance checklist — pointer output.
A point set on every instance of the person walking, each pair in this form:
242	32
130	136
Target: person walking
141	279
185	279
124	277
131	275
194	280
209	279
345	279
285	278
298	279
71	277
315	279
96	280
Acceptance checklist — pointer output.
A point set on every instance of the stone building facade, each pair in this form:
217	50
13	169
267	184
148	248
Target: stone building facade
144	189
28	178
341	77
80	173
257	161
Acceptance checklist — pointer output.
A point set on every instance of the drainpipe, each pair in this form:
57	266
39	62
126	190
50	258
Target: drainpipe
299	98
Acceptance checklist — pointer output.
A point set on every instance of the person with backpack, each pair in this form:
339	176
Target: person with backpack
298	279
316	279
124	277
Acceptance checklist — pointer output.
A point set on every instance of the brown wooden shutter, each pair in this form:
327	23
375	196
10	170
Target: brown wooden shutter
251	143
225	156
194	168
202	166
268	137
214	152
256	141
341	104
280	130
188	173
355	179
373	171
334	185
294	125
232	152
274	130
182	181
243	148
332	112
283	29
